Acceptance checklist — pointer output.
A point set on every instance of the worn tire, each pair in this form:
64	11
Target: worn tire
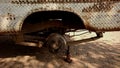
55	42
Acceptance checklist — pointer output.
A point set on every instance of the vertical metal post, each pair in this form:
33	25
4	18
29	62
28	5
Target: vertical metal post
68	56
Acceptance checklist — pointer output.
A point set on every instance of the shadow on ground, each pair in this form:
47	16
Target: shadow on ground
97	54
85	55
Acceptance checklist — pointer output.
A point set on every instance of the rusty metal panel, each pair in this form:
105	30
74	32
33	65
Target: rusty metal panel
105	17
98	15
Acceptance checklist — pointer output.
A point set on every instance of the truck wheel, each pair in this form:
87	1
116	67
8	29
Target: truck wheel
55	42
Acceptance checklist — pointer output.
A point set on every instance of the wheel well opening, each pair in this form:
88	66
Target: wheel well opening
69	20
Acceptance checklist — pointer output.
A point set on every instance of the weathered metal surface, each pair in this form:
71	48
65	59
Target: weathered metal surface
56	1
102	6
98	15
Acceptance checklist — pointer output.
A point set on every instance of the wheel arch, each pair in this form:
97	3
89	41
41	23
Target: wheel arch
71	15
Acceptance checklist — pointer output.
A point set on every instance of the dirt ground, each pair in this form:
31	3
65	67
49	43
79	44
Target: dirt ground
86	52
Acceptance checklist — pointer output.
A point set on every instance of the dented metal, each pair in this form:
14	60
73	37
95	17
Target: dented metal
98	15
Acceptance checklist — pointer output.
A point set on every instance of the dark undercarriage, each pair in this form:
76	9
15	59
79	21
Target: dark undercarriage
52	22
52	26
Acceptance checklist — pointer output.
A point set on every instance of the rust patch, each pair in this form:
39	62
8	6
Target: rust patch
57	1
9	32
101	6
11	16
118	11
102	29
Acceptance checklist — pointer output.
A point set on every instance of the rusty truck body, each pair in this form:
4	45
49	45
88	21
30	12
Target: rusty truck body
18	17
